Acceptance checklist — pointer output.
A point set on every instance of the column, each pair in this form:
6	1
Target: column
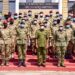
65	8
5	6
60	6
17	6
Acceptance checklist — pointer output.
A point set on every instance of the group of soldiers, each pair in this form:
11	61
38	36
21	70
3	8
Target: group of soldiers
44	34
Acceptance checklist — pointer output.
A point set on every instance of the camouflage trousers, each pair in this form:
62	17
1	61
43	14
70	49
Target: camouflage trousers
33	44
13	45
5	52
61	54
21	51
41	54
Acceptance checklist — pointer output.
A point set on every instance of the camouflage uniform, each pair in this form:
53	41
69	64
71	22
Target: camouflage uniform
7	42
13	39
41	38
61	43
21	44
34	27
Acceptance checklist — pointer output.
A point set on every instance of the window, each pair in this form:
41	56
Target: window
54	1
1	6
37	4
11	0
22	1
29	1
48	0
12	6
1	0
39	1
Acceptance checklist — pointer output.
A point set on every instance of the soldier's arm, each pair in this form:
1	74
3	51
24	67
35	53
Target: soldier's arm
55	36
66	37
36	36
47	36
1	34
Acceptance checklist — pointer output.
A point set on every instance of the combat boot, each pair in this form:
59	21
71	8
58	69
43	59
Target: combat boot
62	65
23	63
20	63
43	65
3	63
6	63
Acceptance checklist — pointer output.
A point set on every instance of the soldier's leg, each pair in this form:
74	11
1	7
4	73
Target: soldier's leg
13	47
19	54
59	55
33	46
3	54
63	55
23	55
43	53
7	53
39	56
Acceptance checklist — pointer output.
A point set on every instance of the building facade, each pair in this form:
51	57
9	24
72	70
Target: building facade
16	5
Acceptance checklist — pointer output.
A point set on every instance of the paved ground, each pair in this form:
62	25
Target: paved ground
36	73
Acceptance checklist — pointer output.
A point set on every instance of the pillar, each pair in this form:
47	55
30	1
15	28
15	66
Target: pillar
5	6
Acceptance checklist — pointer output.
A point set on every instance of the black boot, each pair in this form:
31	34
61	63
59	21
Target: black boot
20	63
23	63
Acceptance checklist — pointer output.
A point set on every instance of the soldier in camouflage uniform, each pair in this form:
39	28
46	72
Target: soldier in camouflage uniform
35	26
41	17
12	28
21	43
69	32
30	16
51	17
42	45
54	28
6	34
61	44
2	45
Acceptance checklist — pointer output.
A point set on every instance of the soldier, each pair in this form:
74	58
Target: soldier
30	16
6	34
57	13
20	15
41	17
69	32
12	28
61	43
42	45
54	28
21	43
51	17
35	26
16	19
73	27
2	46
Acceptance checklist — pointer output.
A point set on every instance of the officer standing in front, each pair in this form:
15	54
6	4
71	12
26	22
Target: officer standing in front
42	45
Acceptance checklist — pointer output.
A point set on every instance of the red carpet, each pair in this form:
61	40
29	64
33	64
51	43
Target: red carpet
31	62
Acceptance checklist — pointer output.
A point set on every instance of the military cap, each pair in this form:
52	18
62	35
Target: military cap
20	13
41	12
57	12
51	11
29	11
